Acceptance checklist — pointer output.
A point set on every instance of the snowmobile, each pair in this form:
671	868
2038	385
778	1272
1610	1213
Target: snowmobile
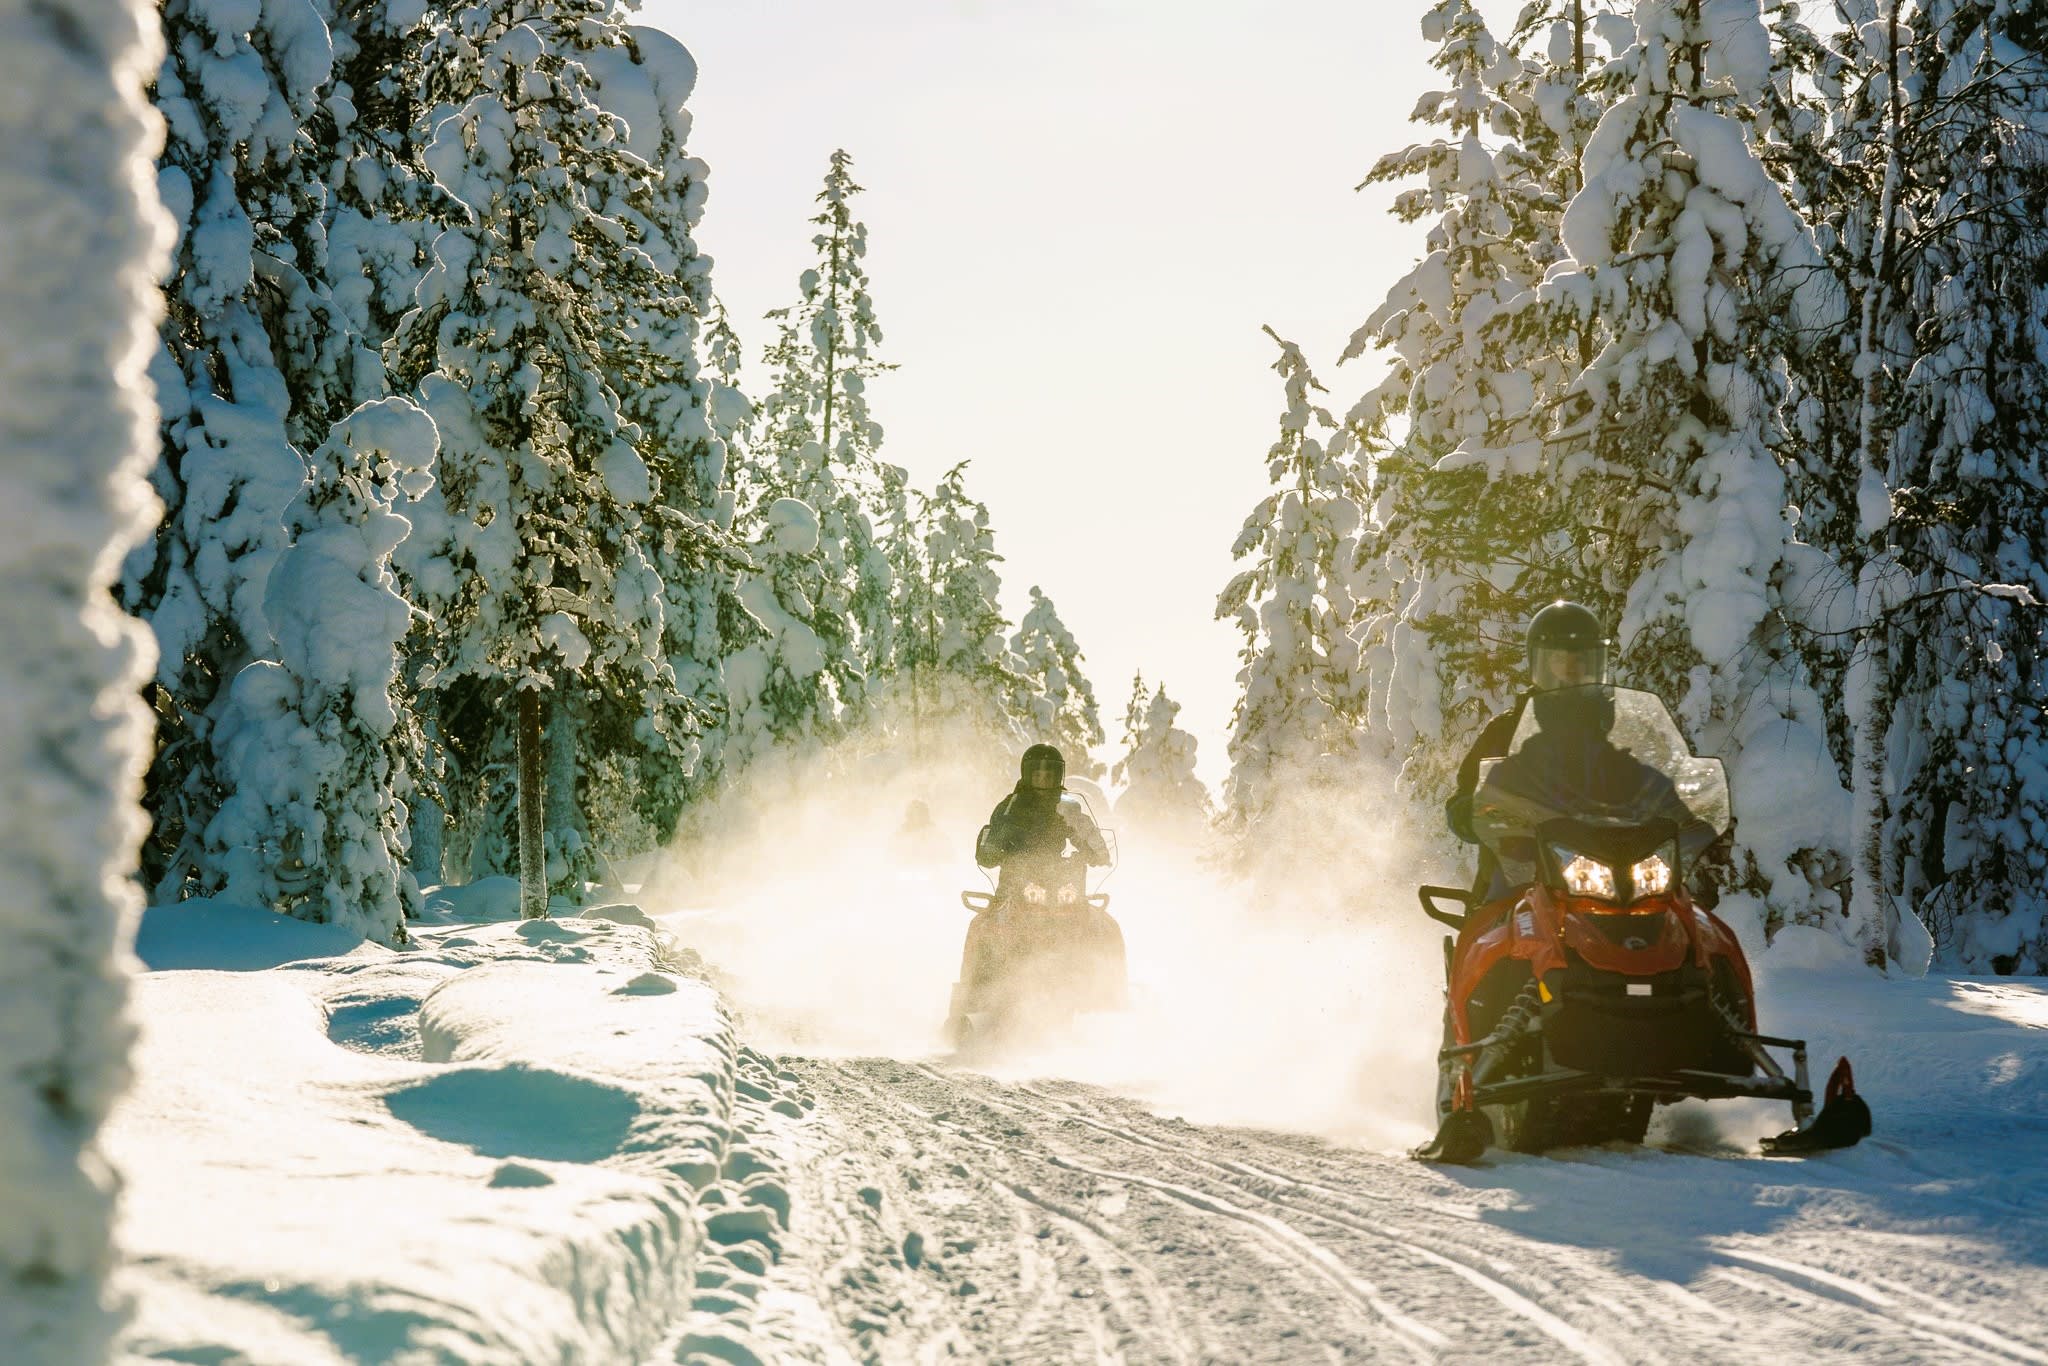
1050	952
1598	989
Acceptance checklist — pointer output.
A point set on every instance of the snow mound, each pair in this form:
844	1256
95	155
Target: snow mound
523	1141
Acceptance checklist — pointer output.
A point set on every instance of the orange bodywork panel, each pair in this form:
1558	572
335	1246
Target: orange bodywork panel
1536	925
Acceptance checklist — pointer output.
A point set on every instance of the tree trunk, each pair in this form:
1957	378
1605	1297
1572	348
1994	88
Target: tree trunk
533	870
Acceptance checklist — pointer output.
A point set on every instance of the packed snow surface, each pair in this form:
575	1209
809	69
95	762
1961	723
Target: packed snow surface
577	1140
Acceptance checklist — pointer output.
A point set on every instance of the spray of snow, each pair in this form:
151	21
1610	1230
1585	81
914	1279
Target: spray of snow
1306	997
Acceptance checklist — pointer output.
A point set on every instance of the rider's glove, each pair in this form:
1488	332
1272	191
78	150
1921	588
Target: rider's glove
1458	815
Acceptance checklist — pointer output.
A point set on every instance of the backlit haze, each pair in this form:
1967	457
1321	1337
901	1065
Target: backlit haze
1080	215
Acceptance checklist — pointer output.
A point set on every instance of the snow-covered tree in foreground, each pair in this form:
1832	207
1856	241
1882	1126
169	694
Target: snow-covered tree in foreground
238	87
1056	699
1161	794
1693	271
1294	607
84	243
315	821
545	580
1463	536
1956	765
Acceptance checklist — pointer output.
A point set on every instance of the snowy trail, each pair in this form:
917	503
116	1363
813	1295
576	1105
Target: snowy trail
938	1210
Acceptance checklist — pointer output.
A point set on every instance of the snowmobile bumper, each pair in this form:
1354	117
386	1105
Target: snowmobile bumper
1683	1085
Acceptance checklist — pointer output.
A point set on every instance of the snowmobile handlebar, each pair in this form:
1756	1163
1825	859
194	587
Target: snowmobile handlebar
1430	896
978	902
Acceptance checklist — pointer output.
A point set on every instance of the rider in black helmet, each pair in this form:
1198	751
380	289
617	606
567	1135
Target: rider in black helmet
1038	820
1028	836
1566	648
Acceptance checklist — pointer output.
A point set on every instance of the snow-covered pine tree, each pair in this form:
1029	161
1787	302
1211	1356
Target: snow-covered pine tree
1964	785
86	245
904	683
647	765
1692	269
817	441
974	678
314	822
547	582
1465	538
1161	794
1294	607
782	700
243	343
379	194
1056	699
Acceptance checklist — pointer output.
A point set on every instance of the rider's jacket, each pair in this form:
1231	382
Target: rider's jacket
1034	828
1493	743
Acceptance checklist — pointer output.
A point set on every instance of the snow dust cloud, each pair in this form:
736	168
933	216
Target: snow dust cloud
1305	996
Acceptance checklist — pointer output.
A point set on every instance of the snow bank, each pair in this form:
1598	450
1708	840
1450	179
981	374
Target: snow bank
512	1142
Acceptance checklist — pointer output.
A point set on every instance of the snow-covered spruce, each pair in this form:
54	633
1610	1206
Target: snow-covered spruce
1056	700
817	443
1160	796
244	354
1954	683
1690	268
643	764
1463	535
782	701
1294	608
543	582
973	681
315	820
85	243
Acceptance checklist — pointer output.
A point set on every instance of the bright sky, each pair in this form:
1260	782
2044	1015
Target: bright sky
1080	213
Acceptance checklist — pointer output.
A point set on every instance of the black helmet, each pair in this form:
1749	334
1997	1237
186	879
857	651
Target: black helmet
1039	761
1566	647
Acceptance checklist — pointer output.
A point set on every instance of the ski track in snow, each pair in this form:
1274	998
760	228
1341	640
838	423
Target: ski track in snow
939	1212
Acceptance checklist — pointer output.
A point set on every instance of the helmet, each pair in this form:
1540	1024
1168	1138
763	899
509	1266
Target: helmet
1566	647
1043	768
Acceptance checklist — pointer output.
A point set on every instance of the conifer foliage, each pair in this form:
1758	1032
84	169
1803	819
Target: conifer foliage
1056	699
817	442
1161	794
315	819
1294	605
540	482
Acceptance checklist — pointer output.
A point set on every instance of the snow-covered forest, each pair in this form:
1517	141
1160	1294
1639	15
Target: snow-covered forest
488	549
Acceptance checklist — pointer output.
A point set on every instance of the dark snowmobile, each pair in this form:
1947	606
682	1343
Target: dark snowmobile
1599	990
1047	952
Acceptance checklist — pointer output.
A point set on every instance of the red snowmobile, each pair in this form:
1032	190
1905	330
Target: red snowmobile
1046	951
1598	989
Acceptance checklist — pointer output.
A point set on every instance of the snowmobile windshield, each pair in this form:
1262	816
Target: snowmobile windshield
1603	756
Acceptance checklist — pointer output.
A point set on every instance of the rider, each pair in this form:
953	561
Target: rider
1566	648
1037	821
1029	830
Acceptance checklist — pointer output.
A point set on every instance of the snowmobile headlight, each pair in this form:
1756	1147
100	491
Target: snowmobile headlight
1068	896
1034	894
1651	877
1586	877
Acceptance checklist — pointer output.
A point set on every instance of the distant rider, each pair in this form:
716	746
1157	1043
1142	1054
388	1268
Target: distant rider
1567	648
1028	836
